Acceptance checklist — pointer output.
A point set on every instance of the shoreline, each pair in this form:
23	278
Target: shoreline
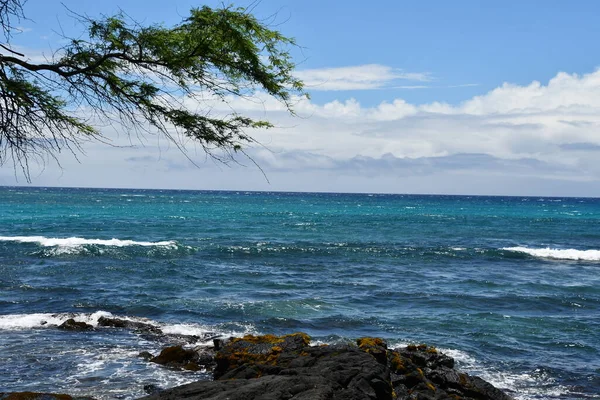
288	366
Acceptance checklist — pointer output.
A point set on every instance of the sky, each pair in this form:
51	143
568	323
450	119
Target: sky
430	97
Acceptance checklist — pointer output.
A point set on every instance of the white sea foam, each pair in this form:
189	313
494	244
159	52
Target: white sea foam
186	329
559	254
525	386
461	357
49	320
78	242
39	320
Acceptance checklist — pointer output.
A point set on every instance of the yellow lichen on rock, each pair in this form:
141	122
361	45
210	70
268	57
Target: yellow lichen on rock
397	363
305	338
370	342
258	339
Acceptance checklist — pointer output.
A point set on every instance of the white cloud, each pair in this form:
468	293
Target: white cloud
494	143
361	77
511	122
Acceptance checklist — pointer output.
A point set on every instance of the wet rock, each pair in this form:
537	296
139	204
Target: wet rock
72	325
205	357
153	332
127	324
264	388
284	367
218	343
181	358
152	389
424	371
465	385
257	351
40	396
427	357
375	347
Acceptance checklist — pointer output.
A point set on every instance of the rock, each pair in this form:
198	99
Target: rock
283	367
427	357
40	396
264	388
257	351
466	386
127	324
152	389
375	347
154	332
72	325
272	368
424	370
322	373
182	358
205	357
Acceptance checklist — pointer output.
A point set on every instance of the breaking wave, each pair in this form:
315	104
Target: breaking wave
558	254
77	241
52	320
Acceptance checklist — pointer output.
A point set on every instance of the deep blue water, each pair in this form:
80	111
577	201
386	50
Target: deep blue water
509	286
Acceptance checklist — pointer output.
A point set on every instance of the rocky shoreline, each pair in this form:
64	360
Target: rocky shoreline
272	367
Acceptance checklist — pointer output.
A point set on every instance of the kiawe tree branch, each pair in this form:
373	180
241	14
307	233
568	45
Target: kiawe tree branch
125	70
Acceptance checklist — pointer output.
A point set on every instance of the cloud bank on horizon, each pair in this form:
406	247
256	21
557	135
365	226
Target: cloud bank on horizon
546	131
541	135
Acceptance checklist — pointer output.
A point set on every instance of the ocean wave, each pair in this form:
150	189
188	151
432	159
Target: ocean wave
78	241
523	385
262	248
46	320
558	254
53	320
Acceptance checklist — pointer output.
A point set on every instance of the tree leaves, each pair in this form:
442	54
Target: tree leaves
144	78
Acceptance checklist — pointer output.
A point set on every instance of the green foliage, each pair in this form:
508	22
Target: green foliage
144	77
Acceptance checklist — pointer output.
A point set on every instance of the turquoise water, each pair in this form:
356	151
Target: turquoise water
508	286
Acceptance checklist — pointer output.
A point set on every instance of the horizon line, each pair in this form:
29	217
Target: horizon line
297	192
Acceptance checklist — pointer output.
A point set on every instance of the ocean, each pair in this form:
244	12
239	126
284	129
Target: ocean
508	286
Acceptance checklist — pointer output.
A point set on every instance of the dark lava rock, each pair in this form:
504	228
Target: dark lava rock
273	368
285	367
265	388
427	357
154	332
39	396
72	325
152	389
424	370
134	325
257	351
375	347
182	358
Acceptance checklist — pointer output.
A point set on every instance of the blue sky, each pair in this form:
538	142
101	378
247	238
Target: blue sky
455	97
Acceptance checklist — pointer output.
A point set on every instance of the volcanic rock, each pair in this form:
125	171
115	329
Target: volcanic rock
181	358
39	396
72	325
285	367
